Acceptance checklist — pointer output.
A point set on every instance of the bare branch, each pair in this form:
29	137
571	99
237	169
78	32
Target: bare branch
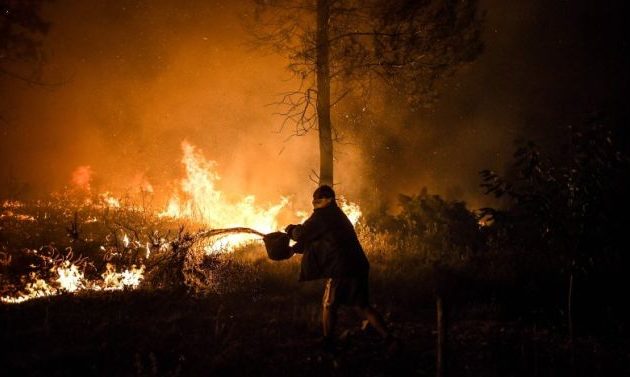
342	96
363	34
314	174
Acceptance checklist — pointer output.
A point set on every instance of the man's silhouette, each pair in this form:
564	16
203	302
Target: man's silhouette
331	251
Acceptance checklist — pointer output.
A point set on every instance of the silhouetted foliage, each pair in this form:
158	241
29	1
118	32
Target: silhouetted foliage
21	30
446	225
563	221
447	230
562	202
406	44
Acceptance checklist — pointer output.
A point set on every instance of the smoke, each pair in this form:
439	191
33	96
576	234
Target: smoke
139	77
546	65
143	77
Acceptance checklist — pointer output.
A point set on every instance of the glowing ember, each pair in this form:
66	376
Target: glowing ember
25	217
9	206
12	204
91	219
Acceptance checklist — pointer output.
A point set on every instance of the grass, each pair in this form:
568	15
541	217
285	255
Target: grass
243	314
269	332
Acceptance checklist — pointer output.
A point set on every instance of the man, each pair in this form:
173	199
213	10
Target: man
331	250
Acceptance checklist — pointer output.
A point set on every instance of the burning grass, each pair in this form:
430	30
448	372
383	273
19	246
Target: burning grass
73	243
140	294
78	240
70	245
176	299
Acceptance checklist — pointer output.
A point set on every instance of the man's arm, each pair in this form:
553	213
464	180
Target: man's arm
312	228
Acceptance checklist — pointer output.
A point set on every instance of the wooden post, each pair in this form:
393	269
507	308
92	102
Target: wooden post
570	315
570	308
442	336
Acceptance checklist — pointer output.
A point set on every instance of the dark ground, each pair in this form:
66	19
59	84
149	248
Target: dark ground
160	333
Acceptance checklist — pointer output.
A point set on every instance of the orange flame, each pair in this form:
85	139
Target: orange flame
198	200
82	177
352	210
71	279
205	203
113	280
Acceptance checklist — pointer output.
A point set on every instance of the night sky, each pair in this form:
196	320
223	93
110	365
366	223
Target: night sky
133	79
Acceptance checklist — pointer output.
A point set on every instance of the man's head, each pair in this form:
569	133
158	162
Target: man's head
323	196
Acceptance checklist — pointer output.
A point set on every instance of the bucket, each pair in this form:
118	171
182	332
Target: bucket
277	245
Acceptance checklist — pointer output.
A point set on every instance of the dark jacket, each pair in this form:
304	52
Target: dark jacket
330	246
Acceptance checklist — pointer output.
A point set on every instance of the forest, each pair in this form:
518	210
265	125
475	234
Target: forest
490	202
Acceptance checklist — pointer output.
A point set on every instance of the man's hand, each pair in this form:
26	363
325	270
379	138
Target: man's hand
289	229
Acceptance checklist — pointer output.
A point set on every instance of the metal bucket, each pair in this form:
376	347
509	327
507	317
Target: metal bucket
277	245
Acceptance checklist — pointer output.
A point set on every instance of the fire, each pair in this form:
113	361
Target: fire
82	177
9	207
352	210
205	203
12	204
109	200
113	280
125	240
18	217
37	288
141	183
197	199
132	277
70	278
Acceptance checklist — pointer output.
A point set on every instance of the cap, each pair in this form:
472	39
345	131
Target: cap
324	191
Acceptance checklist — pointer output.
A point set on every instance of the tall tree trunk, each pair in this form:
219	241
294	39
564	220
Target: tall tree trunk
323	95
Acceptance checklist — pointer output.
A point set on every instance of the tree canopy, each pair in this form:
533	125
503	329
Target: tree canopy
21	30
337	48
